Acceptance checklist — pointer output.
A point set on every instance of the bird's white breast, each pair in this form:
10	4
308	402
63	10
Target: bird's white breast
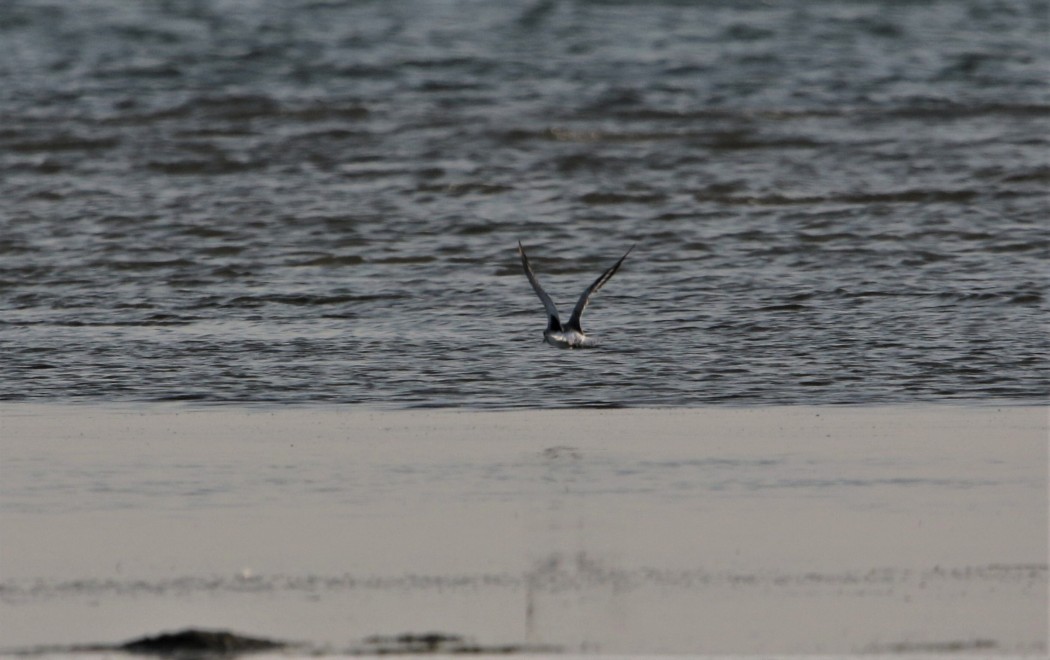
569	339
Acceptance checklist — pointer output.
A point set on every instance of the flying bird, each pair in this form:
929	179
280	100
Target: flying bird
567	335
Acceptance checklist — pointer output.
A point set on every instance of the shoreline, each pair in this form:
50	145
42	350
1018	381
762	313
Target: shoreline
780	530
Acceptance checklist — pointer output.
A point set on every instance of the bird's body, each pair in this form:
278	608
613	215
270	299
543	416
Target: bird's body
568	339
567	335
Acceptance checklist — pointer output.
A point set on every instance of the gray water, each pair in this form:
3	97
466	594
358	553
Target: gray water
309	201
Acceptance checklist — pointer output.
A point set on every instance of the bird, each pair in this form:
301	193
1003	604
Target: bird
567	335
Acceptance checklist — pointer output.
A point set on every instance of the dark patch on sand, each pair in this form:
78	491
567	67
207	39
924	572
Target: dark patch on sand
435	642
561	453
188	644
198	644
194	642
953	646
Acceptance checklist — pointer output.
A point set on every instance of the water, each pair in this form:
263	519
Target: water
833	202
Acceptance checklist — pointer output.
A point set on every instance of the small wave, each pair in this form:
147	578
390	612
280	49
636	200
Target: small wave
144	264
466	188
786	307
332	261
306	300
893	197
601	198
211	166
64	142
402	260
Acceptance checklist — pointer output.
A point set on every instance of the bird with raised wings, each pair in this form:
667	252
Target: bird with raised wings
567	335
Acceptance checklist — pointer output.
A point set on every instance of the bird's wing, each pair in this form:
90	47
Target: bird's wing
553	320
581	304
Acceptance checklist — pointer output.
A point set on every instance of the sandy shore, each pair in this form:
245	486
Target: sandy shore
706	531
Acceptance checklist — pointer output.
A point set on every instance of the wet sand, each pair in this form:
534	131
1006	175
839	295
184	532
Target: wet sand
706	531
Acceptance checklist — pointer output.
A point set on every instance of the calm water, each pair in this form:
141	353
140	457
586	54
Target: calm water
320	201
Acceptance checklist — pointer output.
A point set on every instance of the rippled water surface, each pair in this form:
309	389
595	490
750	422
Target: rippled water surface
320	201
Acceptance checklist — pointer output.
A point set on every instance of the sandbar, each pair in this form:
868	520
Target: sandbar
785	530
